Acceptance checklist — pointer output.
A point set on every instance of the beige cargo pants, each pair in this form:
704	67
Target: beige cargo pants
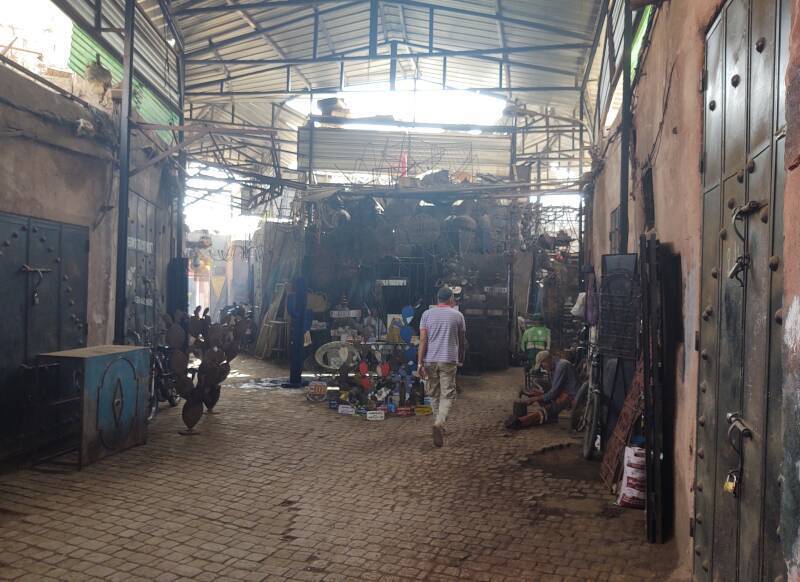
441	388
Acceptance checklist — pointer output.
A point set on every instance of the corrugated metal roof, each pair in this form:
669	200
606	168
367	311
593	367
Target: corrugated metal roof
341	150
284	29
154	60
287	32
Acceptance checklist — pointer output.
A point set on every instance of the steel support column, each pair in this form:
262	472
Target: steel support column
373	28
124	174
183	300
393	66
627	123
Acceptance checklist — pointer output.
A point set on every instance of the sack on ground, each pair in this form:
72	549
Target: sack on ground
633	488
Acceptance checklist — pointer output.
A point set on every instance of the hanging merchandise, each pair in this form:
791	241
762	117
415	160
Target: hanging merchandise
579	309
408	314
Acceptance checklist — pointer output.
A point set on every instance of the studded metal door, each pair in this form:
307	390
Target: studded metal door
44	275
141	294
738	417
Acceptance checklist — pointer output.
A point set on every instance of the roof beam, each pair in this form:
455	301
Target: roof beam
335	90
521	22
442	53
267	38
270	29
173	28
501	35
516	64
253	5
250	73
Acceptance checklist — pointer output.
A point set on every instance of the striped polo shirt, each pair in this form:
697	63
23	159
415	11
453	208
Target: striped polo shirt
443	325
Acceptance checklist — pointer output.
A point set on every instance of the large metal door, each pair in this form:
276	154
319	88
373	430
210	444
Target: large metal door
43	284
738	418
141	277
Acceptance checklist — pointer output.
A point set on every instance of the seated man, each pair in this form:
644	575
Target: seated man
544	406
539	377
535	339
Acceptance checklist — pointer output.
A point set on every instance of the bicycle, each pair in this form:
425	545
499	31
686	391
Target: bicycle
586	414
162	386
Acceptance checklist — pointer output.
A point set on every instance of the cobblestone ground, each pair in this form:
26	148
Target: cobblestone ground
276	488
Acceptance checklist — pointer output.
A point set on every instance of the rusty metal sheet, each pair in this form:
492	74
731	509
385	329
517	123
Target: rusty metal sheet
713	106
141	301
756	330
784	24
13	290
762	73
43	284
729	385
774	567
736	535
44	291
735	83
74	260
705	487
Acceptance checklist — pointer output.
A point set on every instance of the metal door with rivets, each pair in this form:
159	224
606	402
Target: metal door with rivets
737	449
141	282
44	278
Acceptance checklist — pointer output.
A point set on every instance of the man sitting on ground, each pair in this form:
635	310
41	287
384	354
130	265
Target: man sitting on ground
542	406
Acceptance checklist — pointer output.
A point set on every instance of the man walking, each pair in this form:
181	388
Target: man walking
442	340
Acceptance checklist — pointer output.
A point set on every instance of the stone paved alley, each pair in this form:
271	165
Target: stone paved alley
275	488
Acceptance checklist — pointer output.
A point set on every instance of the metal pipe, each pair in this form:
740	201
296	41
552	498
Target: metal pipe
627	123
120	302
377	57
335	90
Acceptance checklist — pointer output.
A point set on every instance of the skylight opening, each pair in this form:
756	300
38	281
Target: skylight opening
413	102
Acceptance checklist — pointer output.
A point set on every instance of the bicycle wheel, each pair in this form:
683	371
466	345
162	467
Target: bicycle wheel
592	422
152	400
578	416
172	395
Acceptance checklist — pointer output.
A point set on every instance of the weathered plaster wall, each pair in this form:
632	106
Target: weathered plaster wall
47	171
790	507
668	134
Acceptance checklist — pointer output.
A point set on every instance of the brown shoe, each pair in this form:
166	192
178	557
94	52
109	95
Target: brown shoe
438	436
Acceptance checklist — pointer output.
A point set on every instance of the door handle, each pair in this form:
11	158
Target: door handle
737	432
736	424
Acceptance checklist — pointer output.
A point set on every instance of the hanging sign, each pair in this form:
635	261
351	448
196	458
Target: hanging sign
346	313
391	282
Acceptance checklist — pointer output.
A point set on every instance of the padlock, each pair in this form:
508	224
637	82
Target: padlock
36	298
731	483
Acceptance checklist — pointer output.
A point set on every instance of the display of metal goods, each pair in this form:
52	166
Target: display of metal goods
369	258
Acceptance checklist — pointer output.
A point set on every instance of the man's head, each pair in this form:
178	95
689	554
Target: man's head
538	319
445	296
545	361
